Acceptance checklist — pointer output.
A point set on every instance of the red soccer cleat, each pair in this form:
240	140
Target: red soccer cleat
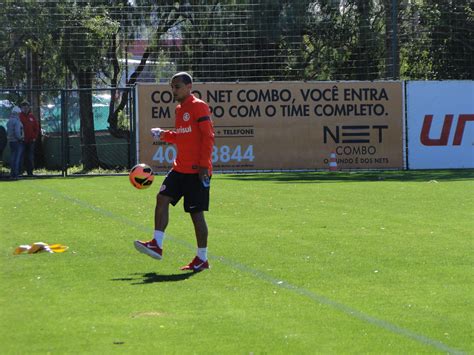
196	265
149	248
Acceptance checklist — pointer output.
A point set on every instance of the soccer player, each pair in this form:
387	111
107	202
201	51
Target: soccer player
191	172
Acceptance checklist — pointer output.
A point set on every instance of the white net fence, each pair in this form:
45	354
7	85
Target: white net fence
117	43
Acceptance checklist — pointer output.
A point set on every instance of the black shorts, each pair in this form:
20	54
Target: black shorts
177	185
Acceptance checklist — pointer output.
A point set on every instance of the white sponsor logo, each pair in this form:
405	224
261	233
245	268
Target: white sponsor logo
163	187
186	117
182	130
197	267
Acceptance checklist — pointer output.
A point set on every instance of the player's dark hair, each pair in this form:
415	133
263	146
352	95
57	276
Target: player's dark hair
185	77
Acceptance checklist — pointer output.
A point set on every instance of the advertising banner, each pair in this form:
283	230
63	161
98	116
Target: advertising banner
285	125
440	125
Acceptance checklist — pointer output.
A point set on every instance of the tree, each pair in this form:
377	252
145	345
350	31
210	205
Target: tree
242	40
391	12
329	38
452	37
279	27
29	58
436	40
84	51
415	42
130	17
89	45
366	53
29	28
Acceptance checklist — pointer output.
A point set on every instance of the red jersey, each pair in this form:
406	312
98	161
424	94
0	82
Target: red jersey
30	127
193	136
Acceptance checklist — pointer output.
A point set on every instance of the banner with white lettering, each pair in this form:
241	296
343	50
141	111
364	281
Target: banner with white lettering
285	125
440	125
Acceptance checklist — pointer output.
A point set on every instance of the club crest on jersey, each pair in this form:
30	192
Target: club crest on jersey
186	116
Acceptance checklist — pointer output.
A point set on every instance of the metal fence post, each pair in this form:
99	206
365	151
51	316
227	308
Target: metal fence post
64	134
133	126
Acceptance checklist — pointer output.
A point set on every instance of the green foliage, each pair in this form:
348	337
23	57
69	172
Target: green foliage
228	40
436	40
123	121
453	41
84	40
237	40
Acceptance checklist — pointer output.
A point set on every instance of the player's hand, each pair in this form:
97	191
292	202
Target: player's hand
204	176
203	173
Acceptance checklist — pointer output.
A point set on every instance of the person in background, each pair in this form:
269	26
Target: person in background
3	141
191	173
31	130
15	139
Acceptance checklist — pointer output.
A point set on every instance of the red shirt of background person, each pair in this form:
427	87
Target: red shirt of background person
30	123
193	128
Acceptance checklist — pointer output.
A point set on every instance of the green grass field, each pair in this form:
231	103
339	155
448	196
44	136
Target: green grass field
301	263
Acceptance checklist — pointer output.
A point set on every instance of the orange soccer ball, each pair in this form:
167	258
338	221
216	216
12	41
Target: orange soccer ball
141	176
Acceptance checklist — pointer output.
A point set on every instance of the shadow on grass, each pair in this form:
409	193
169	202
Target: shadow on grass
152	277
350	176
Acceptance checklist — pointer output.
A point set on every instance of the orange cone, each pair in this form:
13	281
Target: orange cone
332	162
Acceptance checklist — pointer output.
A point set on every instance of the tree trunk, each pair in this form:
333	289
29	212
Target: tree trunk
90	158
113	111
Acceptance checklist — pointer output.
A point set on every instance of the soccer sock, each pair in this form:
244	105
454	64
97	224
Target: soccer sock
159	236
202	254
